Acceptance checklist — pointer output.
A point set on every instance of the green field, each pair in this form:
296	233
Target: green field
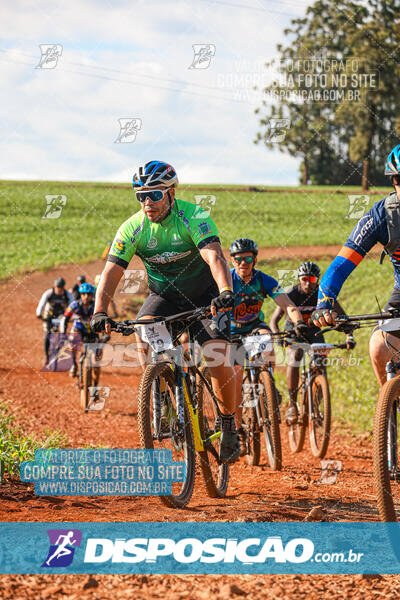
93	213
353	386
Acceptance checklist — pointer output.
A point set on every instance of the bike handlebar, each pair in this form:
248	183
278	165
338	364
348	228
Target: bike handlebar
128	327
392	314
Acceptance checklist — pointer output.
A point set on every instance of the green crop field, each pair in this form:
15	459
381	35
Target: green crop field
93	212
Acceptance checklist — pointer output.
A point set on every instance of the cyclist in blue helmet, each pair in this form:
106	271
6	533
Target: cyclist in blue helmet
378	225
81	311
181	251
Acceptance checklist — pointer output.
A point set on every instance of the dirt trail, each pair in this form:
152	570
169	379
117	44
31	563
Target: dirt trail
43	401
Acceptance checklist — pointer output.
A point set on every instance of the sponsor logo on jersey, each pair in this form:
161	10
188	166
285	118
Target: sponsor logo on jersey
204	228
153	242
176	240
167	257
118	247
181	214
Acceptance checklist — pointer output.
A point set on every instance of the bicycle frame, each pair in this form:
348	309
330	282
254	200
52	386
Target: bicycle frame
185	378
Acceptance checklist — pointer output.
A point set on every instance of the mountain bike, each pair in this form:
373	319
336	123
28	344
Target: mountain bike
177	407
386	431
260	404
88	372
314	398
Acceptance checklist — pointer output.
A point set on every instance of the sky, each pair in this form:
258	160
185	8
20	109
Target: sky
117	62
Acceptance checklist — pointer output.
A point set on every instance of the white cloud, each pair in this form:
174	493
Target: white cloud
131	60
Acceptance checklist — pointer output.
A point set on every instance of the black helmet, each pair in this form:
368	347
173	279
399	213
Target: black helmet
59	282
308	268
243	245
81	278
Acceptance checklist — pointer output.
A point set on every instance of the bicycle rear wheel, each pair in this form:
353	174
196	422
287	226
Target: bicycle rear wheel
386	440
270	421
320	417
297	433
215	474
169	435
86	383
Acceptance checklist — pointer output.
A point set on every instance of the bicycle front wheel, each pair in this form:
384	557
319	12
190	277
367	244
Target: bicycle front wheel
269	409
215	474
86	383
297	432
386	439
320	417
160	427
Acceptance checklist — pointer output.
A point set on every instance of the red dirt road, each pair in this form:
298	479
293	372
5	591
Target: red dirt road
50	401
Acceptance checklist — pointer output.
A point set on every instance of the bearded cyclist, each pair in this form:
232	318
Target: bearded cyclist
251	287
186	268
380	224
81	311
51	306
305	296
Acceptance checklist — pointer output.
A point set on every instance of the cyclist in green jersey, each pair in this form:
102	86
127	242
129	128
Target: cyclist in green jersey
179	245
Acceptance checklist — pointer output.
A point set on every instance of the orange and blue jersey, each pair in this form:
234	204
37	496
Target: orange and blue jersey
249	298
370	230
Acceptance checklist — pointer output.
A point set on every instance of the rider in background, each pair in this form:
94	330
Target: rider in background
75	288
305	296
81	311
52	305
372	228
251	287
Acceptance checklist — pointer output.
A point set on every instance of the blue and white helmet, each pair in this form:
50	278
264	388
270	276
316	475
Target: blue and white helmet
155	174
393	162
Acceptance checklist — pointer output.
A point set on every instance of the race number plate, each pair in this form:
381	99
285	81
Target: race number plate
255	344
157	335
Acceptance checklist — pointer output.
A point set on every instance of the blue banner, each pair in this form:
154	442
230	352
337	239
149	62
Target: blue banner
200	548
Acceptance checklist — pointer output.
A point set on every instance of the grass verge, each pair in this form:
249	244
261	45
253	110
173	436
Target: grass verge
16	447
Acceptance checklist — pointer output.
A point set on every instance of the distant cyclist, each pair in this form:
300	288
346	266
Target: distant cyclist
381	224
251	287
75	288
52	305
305	296
186	268
81	311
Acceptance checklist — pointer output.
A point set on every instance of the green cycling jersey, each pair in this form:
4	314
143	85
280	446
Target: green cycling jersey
169	250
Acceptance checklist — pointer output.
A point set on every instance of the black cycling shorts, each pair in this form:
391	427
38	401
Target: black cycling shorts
217	328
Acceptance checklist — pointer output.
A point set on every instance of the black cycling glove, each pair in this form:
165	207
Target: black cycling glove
224	301
303	332
99	320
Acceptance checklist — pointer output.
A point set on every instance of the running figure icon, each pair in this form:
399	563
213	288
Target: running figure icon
62	547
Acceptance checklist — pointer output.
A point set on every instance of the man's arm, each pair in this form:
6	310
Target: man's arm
212	254
276	317
286	305
364	236
42	302
109	280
